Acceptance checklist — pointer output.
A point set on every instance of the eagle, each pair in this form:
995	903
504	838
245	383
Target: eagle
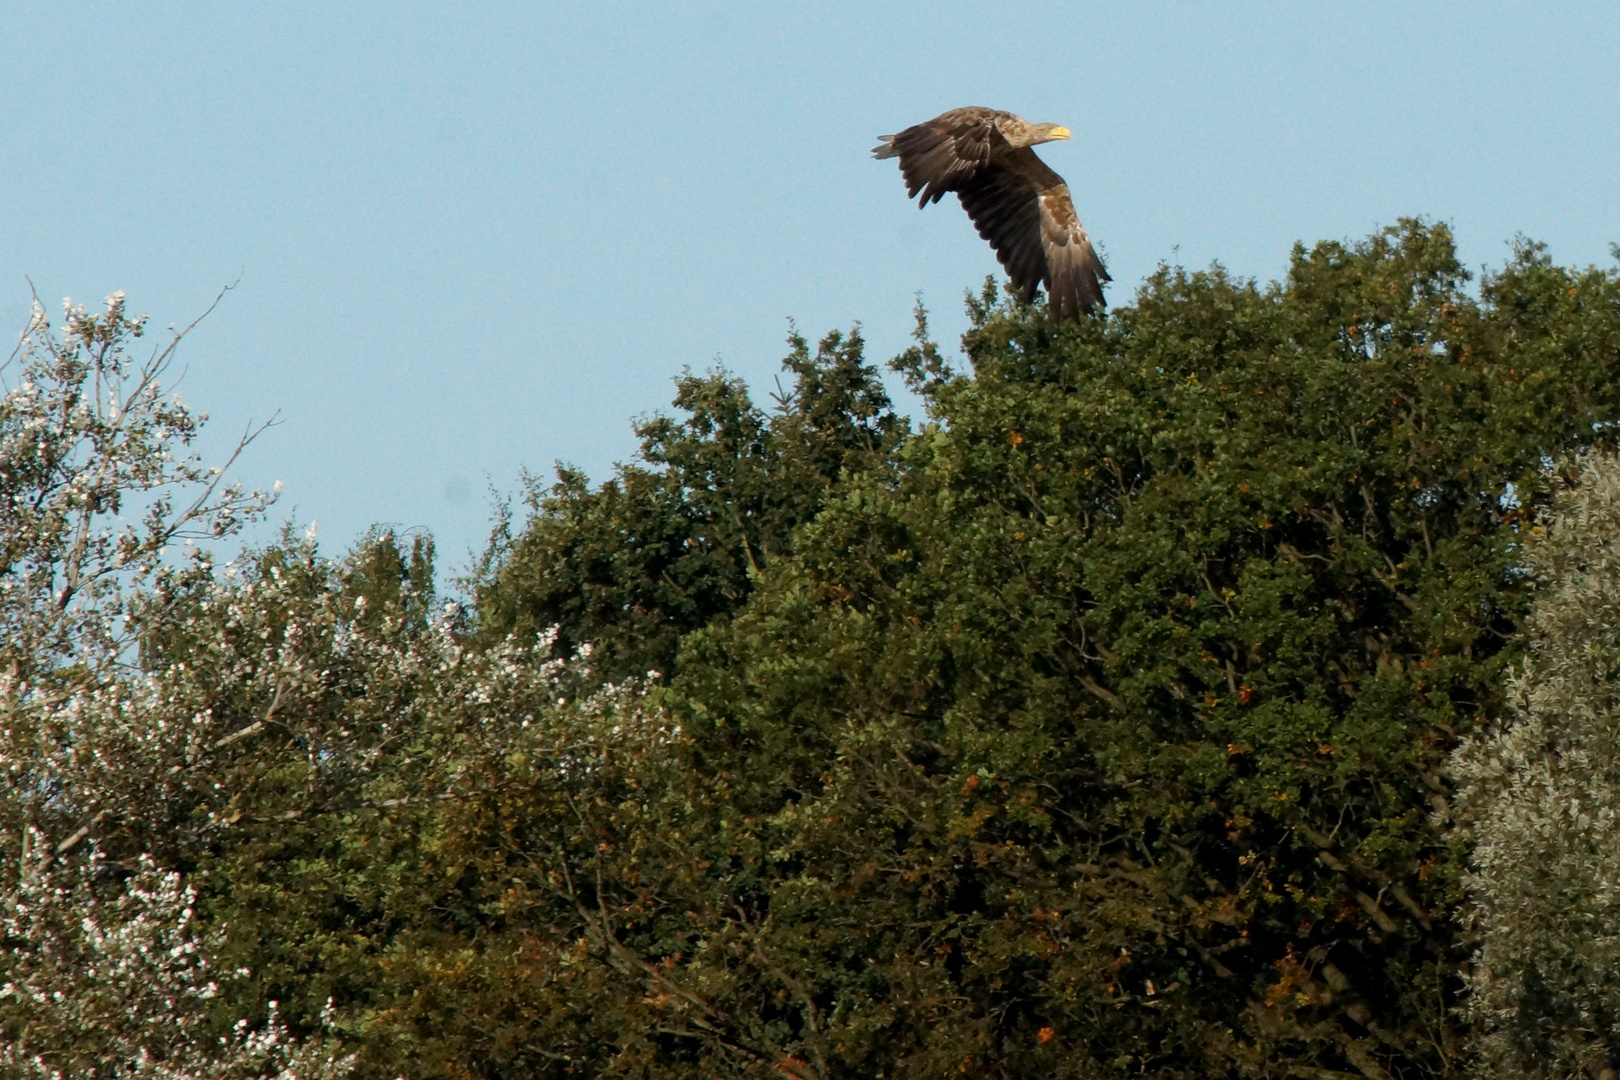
1016	202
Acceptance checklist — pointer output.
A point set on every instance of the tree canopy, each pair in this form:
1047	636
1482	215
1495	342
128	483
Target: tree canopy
1101	721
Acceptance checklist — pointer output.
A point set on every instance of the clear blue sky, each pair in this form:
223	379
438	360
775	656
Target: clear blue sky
475	237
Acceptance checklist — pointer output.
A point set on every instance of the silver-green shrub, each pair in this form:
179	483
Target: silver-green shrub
1540	794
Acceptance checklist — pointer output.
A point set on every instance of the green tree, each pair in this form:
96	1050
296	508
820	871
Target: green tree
673	543
1103	731
328	718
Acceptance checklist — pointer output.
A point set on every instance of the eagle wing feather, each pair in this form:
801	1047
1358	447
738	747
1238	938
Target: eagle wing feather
1023	209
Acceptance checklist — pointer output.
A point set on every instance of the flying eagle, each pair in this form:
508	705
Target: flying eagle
1016	202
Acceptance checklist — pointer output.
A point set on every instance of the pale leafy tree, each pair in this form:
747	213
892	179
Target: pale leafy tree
153	703
1541	794
98	483
118	982
103	971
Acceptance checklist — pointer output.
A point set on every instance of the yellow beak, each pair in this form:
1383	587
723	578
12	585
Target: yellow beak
1059	133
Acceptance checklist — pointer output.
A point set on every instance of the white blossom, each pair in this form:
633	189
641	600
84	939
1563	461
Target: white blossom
113	979
100	976
144	689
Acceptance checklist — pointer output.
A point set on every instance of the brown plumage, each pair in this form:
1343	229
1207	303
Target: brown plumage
1018	204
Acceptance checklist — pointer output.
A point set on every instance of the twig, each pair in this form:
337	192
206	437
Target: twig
257	725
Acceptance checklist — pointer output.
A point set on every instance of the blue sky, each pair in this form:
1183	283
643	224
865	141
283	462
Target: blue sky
473	238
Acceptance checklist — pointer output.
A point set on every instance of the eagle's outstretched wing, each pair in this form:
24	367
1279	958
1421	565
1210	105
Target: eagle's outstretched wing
937	155
1023	209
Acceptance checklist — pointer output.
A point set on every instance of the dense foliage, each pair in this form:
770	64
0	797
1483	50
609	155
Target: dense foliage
1542	788
674	543
1099	723
1108	733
